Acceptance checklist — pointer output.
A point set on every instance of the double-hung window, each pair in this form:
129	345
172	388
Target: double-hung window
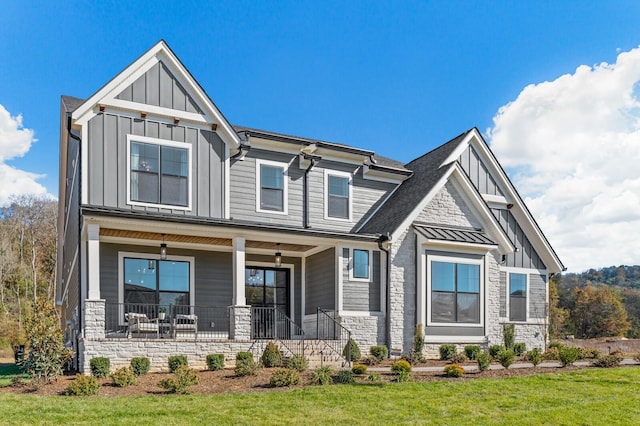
517	297
159	172
337	195
455	292
271	186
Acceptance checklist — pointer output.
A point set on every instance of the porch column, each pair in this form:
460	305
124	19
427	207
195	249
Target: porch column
240	313
93	261
239	298
94	319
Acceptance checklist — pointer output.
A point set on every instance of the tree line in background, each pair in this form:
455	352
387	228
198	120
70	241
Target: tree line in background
27	262
596	303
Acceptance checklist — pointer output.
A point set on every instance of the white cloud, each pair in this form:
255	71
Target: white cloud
572	147
15	141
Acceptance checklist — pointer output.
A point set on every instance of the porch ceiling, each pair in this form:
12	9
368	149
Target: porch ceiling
195	239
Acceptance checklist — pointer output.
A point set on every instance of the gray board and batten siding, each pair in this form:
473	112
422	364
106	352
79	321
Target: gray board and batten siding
107	159
525	255
537	295
320	289
360	295
158	87
477	172
367	194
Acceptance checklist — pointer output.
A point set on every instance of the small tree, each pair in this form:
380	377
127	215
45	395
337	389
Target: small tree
509	335
46	354
418	343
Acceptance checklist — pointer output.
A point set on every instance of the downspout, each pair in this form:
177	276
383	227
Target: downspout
79	167
305	193
387	334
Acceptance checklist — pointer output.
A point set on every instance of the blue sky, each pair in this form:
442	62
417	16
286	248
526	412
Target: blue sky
398	77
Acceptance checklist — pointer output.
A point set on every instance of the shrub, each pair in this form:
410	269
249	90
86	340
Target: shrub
403	376
100	367
374	378
505	357
284	377
453	370
494	350
637	357
123	377
46	356
246	367
618	354
447	352
568	355
607	361
345	377
556	345
534	356
472	351
484	360
551	354
185	377
322	376
83	386
508	335
380	353
140	366
359	369
400	366
589	353
215	362
369	360
351	351
298	363
240	356
418	344
177	361
459	358
271	357
519	348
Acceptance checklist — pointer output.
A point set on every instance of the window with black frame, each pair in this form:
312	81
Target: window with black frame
156	282
455	292
159	174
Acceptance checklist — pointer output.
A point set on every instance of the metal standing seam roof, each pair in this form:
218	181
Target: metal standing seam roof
458	235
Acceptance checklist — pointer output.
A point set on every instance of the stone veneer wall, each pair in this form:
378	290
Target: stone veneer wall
366	330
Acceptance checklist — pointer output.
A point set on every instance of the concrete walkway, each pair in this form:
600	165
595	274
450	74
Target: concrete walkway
546	364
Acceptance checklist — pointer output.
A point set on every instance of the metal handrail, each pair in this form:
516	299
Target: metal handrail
269	322
335	335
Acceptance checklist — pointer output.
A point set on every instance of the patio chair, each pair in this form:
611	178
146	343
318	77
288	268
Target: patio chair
185	322
140	323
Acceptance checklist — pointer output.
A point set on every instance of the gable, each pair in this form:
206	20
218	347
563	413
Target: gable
525	255
448	207
159	87
478	173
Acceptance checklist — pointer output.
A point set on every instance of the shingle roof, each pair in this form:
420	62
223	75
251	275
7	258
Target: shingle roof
70	103
458	235
427	171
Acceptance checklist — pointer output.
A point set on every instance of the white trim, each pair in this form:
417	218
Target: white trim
303	286
454	339
93	261
498	200
285	190
338	278
527	273
164	112
351	265
156	256
361	314
344	175
161	142
239	265
84	166
459	260
227	182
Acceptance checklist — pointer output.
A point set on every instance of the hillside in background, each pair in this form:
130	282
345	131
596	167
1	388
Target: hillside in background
621	282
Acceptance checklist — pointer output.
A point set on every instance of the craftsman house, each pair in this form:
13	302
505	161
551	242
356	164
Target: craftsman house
180	233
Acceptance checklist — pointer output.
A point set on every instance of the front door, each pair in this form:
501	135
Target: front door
265	289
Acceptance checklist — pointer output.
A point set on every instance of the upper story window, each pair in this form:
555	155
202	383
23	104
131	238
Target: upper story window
337	199
455	292
517	297
360	265
271	186
159	172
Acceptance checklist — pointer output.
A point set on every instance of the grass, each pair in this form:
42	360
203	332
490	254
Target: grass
594	396
8	372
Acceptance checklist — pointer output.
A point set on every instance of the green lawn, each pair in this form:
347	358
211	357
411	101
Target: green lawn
603	396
